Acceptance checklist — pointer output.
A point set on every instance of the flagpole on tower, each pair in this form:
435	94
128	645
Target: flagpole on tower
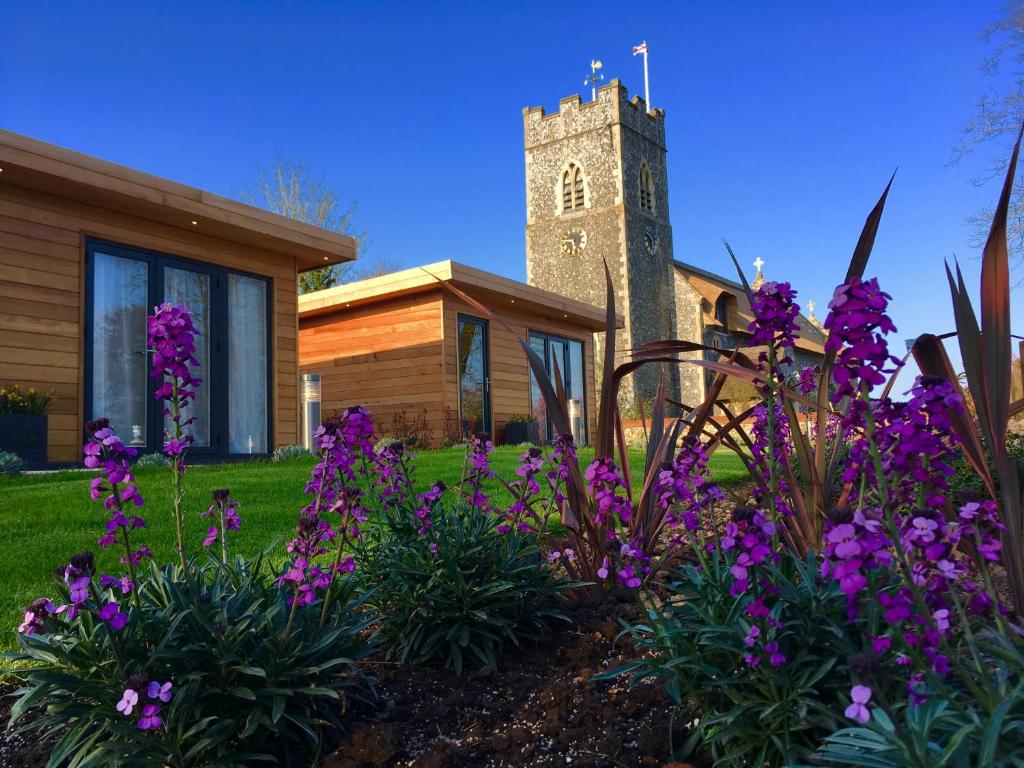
638	49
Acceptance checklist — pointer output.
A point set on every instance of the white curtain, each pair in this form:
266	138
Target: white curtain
119	363
247	365
182	286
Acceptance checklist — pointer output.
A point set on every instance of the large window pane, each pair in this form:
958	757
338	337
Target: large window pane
182	286
247	365
538	407
577	401
568	355
473	375
119	362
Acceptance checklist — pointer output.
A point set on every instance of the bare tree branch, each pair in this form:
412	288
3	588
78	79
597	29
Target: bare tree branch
287	188
995	123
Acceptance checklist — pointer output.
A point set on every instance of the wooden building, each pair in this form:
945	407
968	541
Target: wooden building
405	347
87	248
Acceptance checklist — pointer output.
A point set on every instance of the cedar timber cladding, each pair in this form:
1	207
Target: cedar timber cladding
390	343
52	200
386	356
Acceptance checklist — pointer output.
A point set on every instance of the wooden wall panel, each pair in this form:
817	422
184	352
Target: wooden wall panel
42	253
386	356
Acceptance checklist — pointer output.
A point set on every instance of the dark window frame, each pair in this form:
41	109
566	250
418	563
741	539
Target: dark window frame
566	372
157	262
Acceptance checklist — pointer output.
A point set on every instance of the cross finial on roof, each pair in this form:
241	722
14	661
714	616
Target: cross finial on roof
758	278
811	318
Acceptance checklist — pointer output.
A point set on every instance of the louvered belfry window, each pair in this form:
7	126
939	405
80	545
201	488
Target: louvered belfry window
572	189
646	188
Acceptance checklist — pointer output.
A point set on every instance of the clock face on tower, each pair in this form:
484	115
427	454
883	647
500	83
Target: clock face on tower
574	241
650	242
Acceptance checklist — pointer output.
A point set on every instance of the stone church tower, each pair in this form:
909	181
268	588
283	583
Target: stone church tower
596	191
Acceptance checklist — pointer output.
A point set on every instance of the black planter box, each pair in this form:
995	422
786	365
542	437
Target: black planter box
25	435
517	432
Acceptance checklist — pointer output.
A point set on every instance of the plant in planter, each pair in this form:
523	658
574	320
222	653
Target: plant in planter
23	422
11	464
521	429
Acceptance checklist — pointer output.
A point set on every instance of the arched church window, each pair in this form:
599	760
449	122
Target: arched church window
722	309
646	188
572	189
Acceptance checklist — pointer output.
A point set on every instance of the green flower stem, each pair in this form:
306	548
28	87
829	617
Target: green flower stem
337	564
178	471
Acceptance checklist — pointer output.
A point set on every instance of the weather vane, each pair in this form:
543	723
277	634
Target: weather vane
593	78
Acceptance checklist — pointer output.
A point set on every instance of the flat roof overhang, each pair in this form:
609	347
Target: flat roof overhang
36	165
493	291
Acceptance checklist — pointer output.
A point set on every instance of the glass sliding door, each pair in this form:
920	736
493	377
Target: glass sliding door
119	364
564	356
474	382
192	289
231	312
247	365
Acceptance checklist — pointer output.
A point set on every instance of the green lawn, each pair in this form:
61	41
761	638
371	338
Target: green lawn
46	518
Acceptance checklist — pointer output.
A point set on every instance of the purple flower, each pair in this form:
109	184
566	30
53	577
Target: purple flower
150	719
158	691
603	483
129	699
858	710
807	380
123	583
112	614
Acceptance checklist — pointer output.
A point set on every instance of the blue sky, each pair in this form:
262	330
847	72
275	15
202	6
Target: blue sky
784	120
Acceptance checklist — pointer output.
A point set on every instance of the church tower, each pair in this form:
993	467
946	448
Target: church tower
597	191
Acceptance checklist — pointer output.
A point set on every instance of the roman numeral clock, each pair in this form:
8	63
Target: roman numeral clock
574	241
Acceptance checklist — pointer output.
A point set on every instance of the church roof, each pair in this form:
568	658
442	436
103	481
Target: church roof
711	287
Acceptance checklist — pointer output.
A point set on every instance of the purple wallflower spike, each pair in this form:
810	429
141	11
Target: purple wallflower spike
857	325
159	691
150	719
129	699
774	315
858	710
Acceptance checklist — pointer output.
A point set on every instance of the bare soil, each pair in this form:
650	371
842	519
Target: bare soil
542	707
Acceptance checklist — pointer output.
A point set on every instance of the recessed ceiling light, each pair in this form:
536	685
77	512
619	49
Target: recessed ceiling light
513	301
195	223
327	258
1	170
